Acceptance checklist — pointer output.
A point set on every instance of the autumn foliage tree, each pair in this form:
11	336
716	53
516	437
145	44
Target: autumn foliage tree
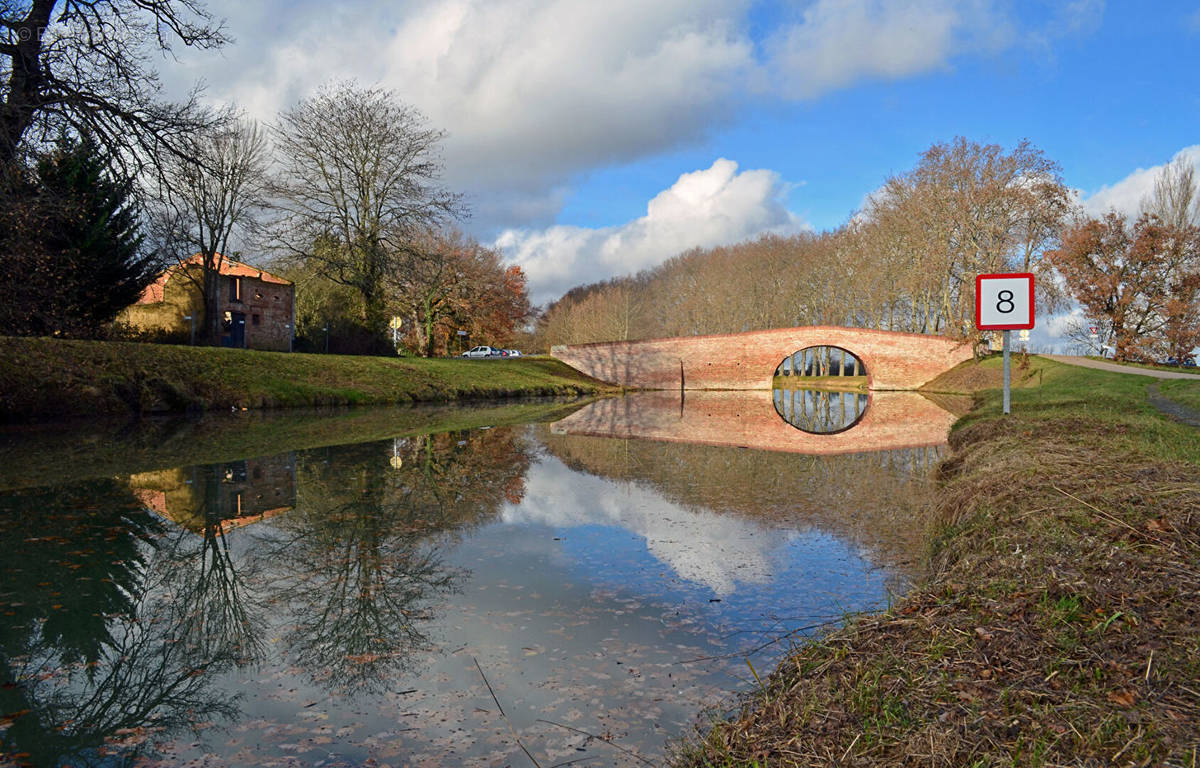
1141	282
445	282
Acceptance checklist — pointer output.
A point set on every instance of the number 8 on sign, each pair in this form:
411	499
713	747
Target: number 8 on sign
1004	302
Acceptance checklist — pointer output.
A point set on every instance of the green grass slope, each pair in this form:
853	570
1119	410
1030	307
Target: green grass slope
52	378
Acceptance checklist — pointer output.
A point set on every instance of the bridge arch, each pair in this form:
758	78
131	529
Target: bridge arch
823	360
748	360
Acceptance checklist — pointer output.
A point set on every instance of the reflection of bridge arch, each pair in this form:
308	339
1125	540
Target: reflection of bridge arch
818	411
748	360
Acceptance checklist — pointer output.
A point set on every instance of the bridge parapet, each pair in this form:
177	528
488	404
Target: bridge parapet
748	360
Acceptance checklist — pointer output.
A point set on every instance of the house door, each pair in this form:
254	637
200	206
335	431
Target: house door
237	330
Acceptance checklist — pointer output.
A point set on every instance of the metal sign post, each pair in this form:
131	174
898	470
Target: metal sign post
1007	369
1004	302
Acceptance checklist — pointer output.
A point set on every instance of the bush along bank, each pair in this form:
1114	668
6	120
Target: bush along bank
1059	620
55	378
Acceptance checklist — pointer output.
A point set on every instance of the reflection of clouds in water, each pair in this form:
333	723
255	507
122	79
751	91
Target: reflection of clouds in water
718	551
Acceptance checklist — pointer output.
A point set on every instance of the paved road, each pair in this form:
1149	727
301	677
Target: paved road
1103	366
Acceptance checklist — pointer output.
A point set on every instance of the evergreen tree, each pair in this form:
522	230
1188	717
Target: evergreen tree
70	244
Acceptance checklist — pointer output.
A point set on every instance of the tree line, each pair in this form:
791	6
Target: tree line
105	184
907	261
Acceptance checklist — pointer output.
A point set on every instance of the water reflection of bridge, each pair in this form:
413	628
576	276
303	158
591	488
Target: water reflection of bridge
891	421
818	411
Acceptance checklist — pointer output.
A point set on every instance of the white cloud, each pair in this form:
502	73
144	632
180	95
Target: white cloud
1126	196
714	206
534	92
838	42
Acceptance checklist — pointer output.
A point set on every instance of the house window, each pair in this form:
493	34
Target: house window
235	289
255	319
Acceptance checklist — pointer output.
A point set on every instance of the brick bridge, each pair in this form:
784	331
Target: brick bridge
748	360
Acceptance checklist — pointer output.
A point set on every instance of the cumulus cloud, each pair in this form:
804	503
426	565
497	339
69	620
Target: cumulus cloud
534	92
714	206
1127	195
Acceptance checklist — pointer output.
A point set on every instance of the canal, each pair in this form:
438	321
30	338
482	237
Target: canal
550	582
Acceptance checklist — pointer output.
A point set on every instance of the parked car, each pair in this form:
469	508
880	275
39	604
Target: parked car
512	353
483	351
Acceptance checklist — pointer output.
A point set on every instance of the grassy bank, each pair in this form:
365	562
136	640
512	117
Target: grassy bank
828	383
1059	619
51	378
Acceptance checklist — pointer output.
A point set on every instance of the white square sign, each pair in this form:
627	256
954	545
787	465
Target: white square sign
1004	302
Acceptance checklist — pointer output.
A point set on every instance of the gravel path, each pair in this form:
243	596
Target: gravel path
1103	366
1172	409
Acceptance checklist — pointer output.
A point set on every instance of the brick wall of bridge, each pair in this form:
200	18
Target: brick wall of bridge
748	360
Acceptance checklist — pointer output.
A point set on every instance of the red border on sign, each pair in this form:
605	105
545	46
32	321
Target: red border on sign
979	314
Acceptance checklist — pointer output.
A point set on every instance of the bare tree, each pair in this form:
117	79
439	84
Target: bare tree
359	179
210	195
1176	196
82	65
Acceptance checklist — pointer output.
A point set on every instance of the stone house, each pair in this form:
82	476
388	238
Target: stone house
258	309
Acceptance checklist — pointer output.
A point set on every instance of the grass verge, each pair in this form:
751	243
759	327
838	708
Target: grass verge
828	383
54	378
1181	391
1058	622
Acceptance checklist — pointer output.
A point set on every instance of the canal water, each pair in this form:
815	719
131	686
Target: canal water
490	586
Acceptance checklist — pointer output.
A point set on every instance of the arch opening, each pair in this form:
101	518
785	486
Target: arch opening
823	361
821	389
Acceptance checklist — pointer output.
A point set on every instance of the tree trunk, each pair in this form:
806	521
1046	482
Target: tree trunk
211	296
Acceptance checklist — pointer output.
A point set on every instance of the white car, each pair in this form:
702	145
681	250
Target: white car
512	353
484	351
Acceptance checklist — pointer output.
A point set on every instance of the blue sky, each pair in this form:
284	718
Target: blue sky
598	138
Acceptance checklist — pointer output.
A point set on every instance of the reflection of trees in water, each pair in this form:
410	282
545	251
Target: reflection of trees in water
88	629
869	498
359	562
221	616
115	625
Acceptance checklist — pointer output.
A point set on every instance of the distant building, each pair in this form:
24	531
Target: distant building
258	309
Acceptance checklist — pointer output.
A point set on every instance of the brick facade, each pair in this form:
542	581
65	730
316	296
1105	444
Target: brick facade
748	360
892	421
256	307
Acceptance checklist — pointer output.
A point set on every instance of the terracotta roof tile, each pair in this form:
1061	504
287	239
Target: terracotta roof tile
153	293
